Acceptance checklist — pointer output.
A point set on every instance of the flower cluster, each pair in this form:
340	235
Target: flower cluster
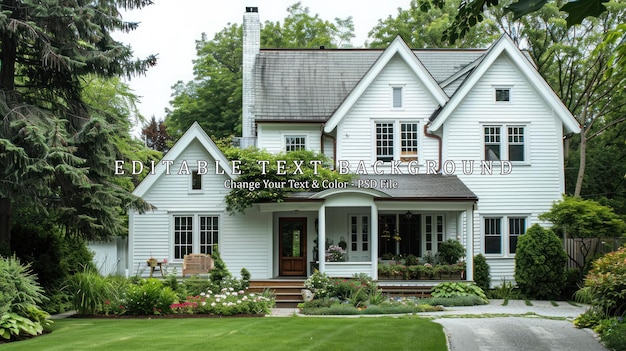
318	283
227	302
335	253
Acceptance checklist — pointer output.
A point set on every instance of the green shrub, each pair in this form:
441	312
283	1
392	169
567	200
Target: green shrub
540	263
607	283
319	284
149	297
482	278
89	290
468	300
613	333
454	289
451	251
219	271
590	318
20	296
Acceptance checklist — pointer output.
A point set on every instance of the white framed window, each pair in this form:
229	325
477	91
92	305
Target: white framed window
384	141
397	96
194	234
396	140
502	94
196	180
295	143
434	231
359	237
505	142
501	233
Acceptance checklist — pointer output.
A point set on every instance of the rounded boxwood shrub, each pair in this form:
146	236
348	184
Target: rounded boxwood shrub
540	263
149	297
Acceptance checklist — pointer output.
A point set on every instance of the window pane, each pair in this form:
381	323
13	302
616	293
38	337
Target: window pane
208	234
492	143
493	235
503	95
196	180
295	143
384	141
397	97
517	227
516	143
408	136
183	231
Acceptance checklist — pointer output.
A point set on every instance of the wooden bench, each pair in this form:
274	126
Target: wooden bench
197	264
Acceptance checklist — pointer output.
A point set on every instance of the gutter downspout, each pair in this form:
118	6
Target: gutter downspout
334	145
438	138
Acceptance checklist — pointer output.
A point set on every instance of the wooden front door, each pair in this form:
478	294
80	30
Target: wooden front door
292	237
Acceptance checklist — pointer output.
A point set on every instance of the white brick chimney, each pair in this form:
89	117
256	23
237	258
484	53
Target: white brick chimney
251	47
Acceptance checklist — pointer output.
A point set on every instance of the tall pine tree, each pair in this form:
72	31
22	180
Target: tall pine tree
56	151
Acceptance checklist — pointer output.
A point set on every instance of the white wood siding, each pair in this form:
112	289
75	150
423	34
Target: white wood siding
355	139
173	192
271	136
531	188
246	242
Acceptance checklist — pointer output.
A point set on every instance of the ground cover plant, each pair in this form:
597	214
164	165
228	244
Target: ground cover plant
289	333
360	295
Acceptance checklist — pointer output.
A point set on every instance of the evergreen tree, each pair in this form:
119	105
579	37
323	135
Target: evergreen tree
55	148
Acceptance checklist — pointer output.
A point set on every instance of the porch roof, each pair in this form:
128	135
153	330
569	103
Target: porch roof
421	187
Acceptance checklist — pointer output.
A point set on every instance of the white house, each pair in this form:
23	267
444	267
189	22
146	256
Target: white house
464	144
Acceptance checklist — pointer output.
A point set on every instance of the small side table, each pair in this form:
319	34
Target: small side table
158	266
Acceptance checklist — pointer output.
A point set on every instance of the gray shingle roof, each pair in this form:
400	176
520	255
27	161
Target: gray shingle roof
421	187
425	186
309	85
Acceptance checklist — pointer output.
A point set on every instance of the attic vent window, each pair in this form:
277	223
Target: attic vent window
503	94
196	180
397	97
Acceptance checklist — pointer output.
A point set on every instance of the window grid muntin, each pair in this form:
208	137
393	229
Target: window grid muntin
493	235
409	141
295	143
517	227
492	143
516	141
384	141
209	233
183	236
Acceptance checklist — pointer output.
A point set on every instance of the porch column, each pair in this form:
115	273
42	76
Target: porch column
469	243
374	239
321	237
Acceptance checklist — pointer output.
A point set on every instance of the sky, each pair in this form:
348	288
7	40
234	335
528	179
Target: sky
170	29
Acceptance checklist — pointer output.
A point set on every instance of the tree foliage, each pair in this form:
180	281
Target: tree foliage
425	29
606	283
581	218
56	144
253	172
213	97
540	263
155	135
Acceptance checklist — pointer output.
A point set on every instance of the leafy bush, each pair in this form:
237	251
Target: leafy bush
467	300
451	251
148	297
20	296
219	271
319	284
606	282
540	263
482	278
590	318
89	290
505	291
454	289
613	333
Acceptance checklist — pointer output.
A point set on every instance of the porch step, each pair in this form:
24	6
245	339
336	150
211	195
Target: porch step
287	291
406	290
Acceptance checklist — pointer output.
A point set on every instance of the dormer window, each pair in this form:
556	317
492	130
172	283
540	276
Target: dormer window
503	94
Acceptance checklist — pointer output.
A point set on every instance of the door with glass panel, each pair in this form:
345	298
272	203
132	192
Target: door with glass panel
292	246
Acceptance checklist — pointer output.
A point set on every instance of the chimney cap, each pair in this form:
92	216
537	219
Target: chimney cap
252	9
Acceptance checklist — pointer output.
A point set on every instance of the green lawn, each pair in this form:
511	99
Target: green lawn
287	333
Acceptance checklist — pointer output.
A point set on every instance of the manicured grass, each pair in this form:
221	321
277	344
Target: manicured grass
284	333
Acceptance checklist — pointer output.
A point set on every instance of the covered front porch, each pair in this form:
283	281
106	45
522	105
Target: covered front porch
343	232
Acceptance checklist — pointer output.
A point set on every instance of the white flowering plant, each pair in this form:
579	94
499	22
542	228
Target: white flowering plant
319	284
226	302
